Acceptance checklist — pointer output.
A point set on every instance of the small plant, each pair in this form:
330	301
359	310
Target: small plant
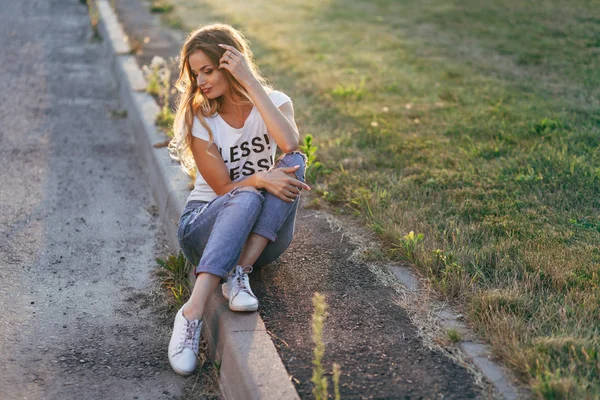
453	335
351	91
336	381
174	21
94	16
136	43
313	167
450	276
161	6
155	74
408	245
165	120
118	113
158	77
318	320
174	275
546	125
318	378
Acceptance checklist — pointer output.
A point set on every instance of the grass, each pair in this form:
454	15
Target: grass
173	273
173	279
165	120
313	167
475	125
453	335
118	113
161	6
158	78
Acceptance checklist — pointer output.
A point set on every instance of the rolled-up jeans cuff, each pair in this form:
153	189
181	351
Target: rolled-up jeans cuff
210	270
265	233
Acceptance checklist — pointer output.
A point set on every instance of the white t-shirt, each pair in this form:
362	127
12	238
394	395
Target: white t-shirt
246	150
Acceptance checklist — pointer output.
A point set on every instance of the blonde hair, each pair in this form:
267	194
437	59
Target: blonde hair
191	102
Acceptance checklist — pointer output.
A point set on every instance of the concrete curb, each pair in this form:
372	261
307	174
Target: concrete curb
250	365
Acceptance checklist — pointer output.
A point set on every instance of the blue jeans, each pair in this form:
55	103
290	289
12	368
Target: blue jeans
212	234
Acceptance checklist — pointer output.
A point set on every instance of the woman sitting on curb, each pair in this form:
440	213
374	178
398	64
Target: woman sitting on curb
242	210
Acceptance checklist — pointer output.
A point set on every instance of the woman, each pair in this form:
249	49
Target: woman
241	212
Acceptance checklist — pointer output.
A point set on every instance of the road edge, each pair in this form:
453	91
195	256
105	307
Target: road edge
250	366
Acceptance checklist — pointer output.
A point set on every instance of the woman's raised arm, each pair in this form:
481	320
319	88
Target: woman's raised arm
280	121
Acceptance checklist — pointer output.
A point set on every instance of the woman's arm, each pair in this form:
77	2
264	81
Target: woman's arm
280	121
214	171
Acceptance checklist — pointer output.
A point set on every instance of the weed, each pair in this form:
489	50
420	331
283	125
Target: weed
319	379
94	16
158	77
336	381
313	167
546	125
409	244
161	6
453	335
174	21
118	113
584	223
174	276
319	316
156	74
136	44
351	91
217	365
165	120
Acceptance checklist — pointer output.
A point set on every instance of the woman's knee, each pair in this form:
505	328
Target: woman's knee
292	159
246	197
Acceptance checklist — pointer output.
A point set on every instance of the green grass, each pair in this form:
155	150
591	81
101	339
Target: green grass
118	113
476	125
161	6
158	78
173	273
314	168
165	119
453	335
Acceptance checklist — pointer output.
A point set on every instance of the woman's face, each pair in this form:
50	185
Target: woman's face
209	78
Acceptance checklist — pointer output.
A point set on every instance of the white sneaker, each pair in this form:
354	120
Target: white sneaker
183	347
237	290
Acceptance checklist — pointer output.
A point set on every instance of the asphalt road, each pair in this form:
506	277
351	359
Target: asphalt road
78	230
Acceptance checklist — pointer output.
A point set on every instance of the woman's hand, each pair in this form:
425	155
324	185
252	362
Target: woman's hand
235	62
278	183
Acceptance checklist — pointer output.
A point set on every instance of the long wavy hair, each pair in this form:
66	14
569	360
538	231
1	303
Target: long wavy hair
192	102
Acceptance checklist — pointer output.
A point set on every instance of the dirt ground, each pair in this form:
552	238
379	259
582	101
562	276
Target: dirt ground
367	333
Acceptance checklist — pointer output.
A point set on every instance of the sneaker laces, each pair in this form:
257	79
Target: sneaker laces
240	280
190	337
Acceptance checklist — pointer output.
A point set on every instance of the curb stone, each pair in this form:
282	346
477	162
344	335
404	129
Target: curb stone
250	365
